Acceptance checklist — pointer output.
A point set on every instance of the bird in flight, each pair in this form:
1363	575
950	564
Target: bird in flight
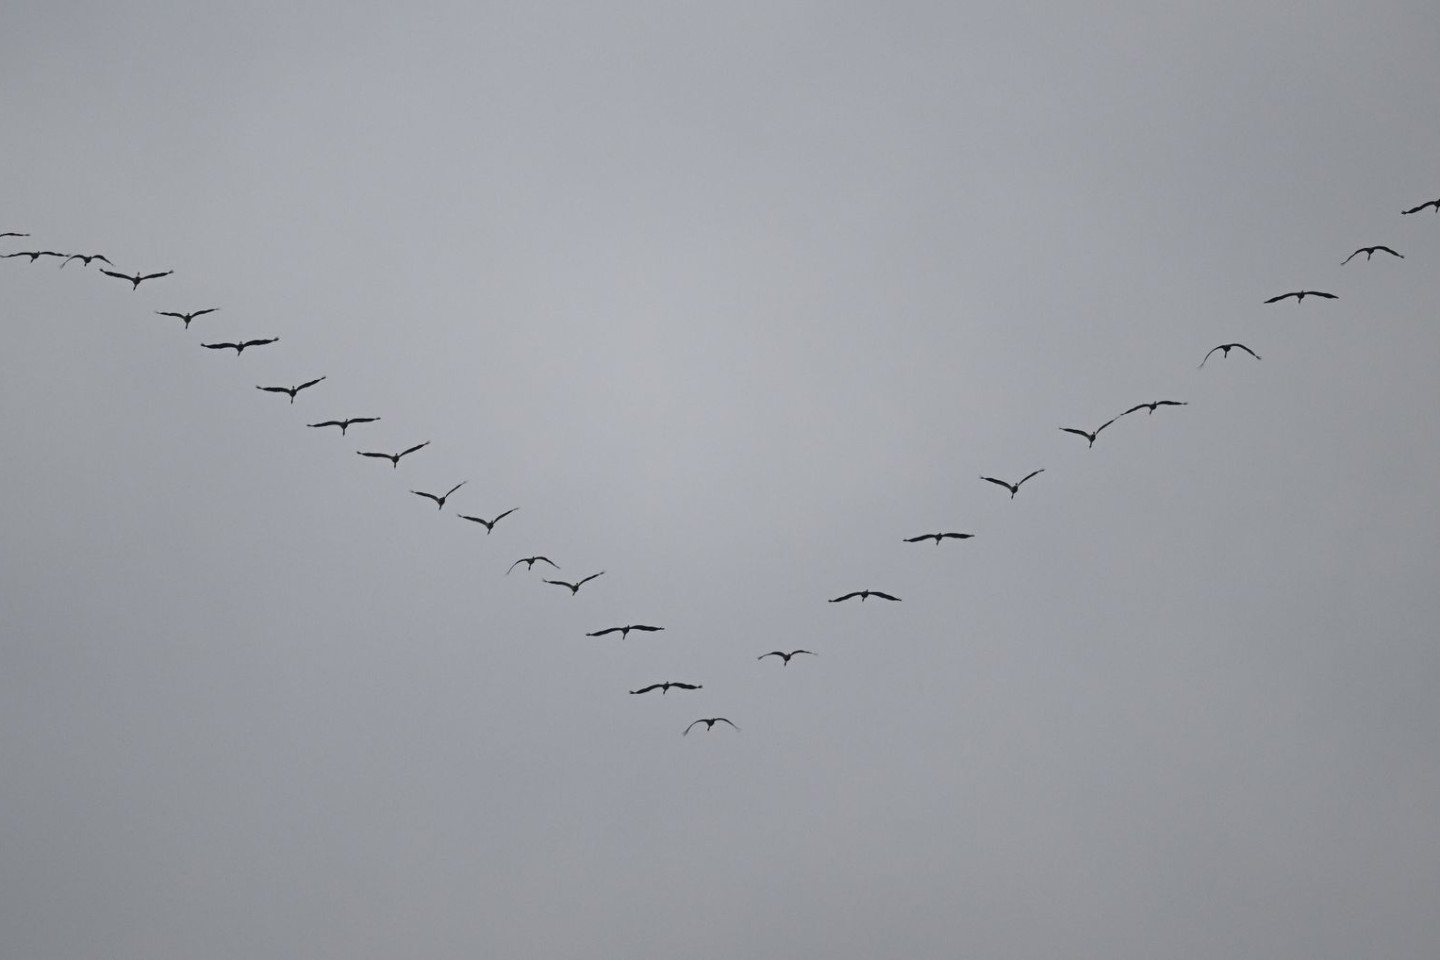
1225	349
1014	488
575	587
239	348
864	594
85	259
394	458
34	254
489	525
136	279
1090	435
1300	296
785	656
291	390
3	235
625	631
709	723
937	537
187	317
1427	203
530	563
440	500
1157	403
343	424
665	687
1370	252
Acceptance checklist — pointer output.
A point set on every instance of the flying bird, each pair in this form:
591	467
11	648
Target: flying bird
937	537
85	259
440	500
187	317
3	235
489	525
343	424
664	688
575	587
1370	252
1087	435
625	631
785	656
34	254
1157	403
394	458
1300	296
1225	349
530	563
1427	203
1014	488
136	279
709	723
291	390
239	348
864	594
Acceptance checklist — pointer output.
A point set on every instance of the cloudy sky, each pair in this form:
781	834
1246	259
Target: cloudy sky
728	299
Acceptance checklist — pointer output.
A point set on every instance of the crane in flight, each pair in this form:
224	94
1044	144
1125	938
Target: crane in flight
34	254
291	390
1225	349
394	458
575	587
136	279
12	234
489	525
240	347
1370	252
625	630
1157	403
709	723
664	688
785	656
1089	435
864	595
530	563
1300	296
1014	488
1427	203
85	259
937	537
438	498
343	424
187	317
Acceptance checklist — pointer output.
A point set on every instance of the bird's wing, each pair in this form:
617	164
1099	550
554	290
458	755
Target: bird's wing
1321	293
687	729
560	583
157	276
428	496
478	520
653	686
365	453
171	313
589	578
1281	297
201	313
516	564
722	720
686	686
1352	256
1104	425
108	273
1172	403
274	389
846	597
772	653
1138	406
1000	482
1078	433
601	633
503	515
259	343
1213	349
811	652
221	346
549	561
75	256
956	536
1246	349
327	423
308	383
454	488
923	536
354	420
414	448
1391	252
883	596
1032	473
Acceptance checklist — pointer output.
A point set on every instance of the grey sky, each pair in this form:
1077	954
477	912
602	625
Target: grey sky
727	299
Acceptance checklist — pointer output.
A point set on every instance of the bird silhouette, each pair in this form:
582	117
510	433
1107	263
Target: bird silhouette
343	424
664	688
1427	203
625	630
440	500
575	587
1370	252
489	525
1088	435
937	537
709	723
530	563
240	347
187	317
9	234
394	458
865	594
1014	488
1225	349
1157	403
85	259
34	254
291	390
785	656
136	279
1300	296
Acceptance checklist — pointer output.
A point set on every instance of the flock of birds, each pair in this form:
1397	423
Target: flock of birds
440	499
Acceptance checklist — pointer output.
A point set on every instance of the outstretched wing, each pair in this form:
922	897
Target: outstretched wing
308	383
428	496
354	420
259	343
417	446
846	596
1213	349
1078	433
923	536
221	346
1138	406
1000	482
686	686
1104	425
549	561
716	720
366	453
1033	473
601	633
503	516
645	628
108	273
1172	403
274	389
883	596
687	729
562	583
653	686
951	536
1356	254
1391	252
327	423
1322	293
589	578
772	653
454	488
811	652
157	276
1282	297
486	524
1242	346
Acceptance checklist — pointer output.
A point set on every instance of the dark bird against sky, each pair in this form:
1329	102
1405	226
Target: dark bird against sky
1369	252
1014	488
187	317
625	631
489	525
136	278
1427	203
937	537
866	594
1089	435
709	723
1300	296
1156	403
343	424
575	587
240	347
530	563
292	390
440	498
1225	349
785	656
85	259
394	458
35	254
664	688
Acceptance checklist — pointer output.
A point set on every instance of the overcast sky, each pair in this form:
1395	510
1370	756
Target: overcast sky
728	299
